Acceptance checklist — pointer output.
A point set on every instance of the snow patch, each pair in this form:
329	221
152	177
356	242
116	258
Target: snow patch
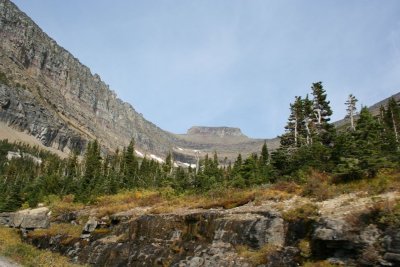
14	154
140	154
156	158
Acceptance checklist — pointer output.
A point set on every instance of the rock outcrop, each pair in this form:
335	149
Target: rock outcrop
28	219
339	234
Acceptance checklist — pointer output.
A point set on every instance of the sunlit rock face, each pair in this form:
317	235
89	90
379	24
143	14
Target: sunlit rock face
73	105
49	94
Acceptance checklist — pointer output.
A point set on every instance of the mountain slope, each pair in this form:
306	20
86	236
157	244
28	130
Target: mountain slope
63	104
47	93
374	109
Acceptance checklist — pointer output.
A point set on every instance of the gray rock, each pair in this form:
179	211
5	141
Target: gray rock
90	225
5	218
285	257
392	257
31	218
63	104
331	229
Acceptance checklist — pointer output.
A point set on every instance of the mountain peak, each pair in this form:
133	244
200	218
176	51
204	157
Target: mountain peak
222	131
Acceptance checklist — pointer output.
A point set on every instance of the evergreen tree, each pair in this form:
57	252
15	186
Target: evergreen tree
368	137
351	110
322	112
293	127
321	107
264	158
392	118
92	170
307	120
130	166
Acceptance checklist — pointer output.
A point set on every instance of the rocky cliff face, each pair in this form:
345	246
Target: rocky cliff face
46	92
62	102
283	233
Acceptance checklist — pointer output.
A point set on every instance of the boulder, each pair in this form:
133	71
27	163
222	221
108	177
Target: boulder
5	218
90	225
31	218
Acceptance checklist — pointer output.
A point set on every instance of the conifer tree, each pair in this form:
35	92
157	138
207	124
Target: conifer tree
92	171
321	108
351	110
307	119
131	166
293	127
322	112
392	117
264	158
368	137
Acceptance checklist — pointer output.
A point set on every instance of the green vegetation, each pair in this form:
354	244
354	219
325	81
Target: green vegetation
11	246
304	212
314	159
256	256
3	78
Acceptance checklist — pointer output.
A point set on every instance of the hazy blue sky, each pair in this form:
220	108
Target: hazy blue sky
228	62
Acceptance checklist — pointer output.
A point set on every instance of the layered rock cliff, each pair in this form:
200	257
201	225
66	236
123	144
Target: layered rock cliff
277	233
54	97
46	92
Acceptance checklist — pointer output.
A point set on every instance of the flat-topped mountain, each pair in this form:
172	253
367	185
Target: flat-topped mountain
215	131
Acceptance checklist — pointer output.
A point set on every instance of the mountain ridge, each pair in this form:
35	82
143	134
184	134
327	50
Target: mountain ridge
49	94
52	96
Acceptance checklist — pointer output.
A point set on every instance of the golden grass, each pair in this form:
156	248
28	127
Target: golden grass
66	229
165	200
385	181
12	247
256	257
304	212
318	264
305	248
126	200
63	205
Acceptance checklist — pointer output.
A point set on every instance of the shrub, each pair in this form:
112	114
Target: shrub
305	248
317	186
256	257
307	211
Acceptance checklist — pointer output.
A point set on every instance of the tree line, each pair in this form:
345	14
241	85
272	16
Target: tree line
310	142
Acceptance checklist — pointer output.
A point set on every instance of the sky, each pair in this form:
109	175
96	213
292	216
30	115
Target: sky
236	63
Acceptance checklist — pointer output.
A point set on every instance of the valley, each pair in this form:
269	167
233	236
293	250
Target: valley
86	180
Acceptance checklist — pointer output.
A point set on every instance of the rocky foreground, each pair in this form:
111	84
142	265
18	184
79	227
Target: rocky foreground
291	232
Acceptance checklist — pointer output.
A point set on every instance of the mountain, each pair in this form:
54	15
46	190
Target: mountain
47	93
374	109
49	98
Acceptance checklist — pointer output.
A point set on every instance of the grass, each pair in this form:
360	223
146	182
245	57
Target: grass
256	257
318	264
11	246
62	205
304	212
318	186
167	200
65	229
321	186
384	213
